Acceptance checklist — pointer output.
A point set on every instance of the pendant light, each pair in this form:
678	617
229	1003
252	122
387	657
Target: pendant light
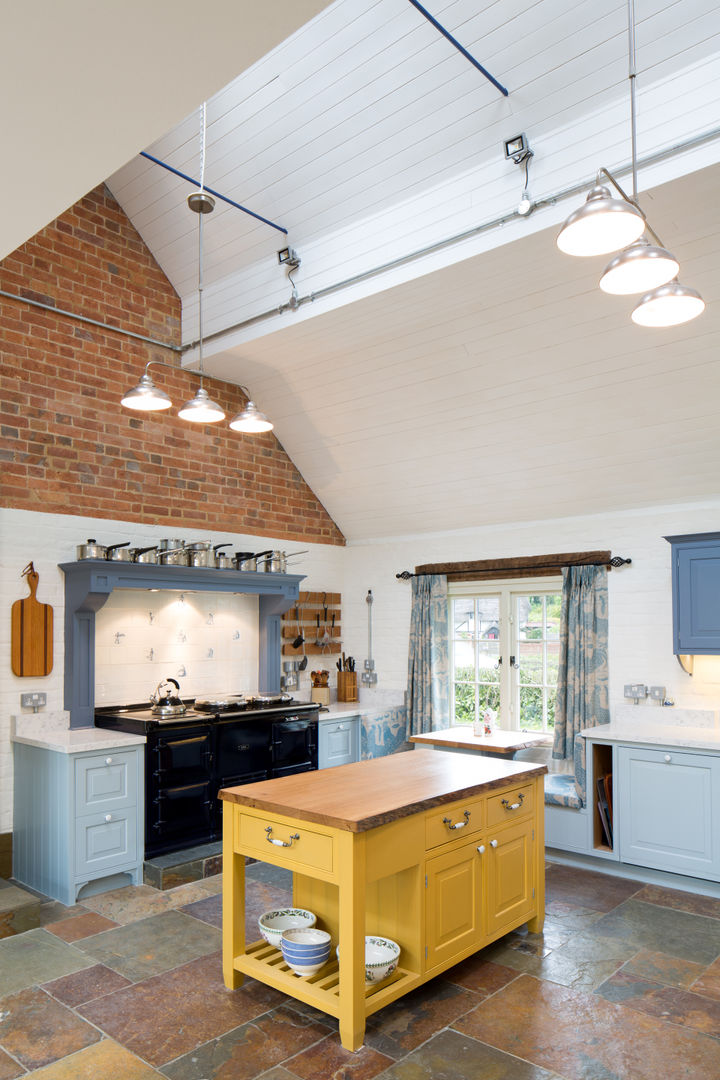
605	224
201	409
250	420
146	396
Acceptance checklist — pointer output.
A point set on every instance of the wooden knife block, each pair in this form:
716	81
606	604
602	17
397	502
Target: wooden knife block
347	688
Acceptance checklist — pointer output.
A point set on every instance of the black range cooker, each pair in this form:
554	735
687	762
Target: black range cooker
191	756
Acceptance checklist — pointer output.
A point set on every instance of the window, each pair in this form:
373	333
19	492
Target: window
505	651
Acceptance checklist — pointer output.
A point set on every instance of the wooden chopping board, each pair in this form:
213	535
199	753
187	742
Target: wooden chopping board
32	632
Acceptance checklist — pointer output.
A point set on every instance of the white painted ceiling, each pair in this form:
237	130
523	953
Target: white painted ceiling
493	382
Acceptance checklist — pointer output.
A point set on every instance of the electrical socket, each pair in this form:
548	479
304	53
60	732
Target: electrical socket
635	691
34	700
657	693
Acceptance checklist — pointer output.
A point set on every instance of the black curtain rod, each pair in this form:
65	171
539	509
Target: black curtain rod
616	560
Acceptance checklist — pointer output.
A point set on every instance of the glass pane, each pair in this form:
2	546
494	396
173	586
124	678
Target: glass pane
488	608
551	709
464	656
530	618
553	663
488	654
530	660
464	703
463	617
552	617
531	713
489	698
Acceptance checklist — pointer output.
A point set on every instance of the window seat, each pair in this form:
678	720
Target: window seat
560	790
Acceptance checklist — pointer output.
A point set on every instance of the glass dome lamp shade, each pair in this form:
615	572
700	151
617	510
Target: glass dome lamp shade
251	420
668	305
201	410
603	224
638	269
146	397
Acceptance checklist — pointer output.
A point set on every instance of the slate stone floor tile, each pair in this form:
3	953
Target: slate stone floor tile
80	926
208	910
586	888
583	962
483	977
249	1050
9	1068
680	901
187	894
668	1002
328	1060
669	970
583	1037
276	876
102	1061
152	945
36	957
278	1073
19	910
130	903
709	982
451	1056
38	1030
84	986
662	929
53	911
171	1014
406	1023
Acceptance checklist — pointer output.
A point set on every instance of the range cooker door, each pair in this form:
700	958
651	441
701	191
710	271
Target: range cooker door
294	746
243	748
181	814
179	789
182	756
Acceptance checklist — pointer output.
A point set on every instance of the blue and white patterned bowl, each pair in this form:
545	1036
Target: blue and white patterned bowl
273	923
305	951
381	958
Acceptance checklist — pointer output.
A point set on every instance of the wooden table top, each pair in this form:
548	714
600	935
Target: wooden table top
370	793
500	742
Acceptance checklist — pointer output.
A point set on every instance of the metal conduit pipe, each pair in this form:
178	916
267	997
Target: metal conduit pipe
439	245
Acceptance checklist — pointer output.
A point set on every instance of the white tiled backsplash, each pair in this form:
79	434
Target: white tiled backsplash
208	642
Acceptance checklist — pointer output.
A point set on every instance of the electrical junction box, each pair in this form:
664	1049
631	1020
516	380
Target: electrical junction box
635	691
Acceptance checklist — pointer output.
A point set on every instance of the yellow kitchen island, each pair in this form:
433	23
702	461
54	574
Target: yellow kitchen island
441	853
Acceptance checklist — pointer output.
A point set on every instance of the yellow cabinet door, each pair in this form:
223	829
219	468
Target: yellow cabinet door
510	880
453	909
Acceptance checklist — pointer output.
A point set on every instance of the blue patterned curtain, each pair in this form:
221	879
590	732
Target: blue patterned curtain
582	693
428	673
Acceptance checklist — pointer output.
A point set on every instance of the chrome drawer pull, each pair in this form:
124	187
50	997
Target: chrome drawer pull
280	843
514	805
458	824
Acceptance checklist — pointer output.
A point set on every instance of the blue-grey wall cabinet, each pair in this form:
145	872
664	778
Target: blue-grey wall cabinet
696	593
78	818
669	813
338	741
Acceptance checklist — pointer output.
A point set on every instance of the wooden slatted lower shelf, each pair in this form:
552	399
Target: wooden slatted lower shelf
265	963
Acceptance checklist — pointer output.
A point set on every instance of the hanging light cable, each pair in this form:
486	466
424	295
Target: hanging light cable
201	409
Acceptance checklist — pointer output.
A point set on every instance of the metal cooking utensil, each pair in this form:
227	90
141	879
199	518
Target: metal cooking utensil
299	640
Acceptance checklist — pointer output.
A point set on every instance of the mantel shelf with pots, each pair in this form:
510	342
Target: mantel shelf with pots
89	582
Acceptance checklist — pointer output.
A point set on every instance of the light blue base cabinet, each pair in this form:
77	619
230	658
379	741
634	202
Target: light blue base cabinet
78	818
668	813
338	741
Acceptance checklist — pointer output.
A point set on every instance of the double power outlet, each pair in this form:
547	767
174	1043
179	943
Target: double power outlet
639	691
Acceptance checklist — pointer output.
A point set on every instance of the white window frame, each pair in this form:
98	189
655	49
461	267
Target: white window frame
506	589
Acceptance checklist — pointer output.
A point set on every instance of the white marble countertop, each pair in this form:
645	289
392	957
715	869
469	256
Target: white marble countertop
50	731
646	733
342	710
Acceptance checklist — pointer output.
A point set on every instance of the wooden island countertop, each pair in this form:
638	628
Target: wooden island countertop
370	793
500	742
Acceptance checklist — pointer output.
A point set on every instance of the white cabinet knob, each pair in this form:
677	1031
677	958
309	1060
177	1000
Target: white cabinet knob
108	761
108	817
668	757
493	843
481	849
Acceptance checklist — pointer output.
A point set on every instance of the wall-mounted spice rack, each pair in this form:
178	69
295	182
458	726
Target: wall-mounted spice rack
316	618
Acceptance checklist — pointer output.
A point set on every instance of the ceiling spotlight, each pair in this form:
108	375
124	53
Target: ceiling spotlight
639	268
146	396
602	225
251	420
668	305
201	409
517	148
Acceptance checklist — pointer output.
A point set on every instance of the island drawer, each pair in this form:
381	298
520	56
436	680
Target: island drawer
510	805
453	820
278	841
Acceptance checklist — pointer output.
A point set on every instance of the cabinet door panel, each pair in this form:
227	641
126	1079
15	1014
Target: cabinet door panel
510	883
667	810
696	580
453	909
338	742
100	843
105	781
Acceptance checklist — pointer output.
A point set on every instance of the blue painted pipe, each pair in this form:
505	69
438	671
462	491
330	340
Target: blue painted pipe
184	176
459	47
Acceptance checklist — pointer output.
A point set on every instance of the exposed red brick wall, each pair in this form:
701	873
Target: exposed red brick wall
67	445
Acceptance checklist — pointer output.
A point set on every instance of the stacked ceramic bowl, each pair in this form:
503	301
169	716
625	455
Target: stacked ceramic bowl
381	958
305	951
273	923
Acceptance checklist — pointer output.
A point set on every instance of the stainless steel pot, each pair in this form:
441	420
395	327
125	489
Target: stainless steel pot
275	562
119	552
173	557
91	550
222	562
170	545
200	553
247	560
145	555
